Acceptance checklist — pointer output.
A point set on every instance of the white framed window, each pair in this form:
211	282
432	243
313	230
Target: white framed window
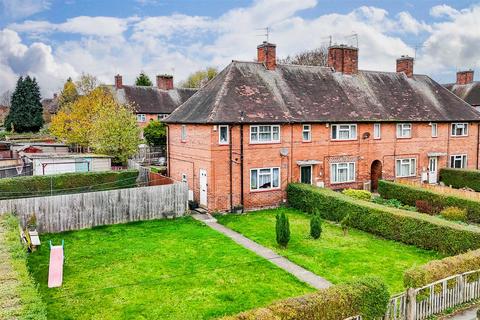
458	161
141	117
223	135
265	134
459	129
406	167
306	133
264	179
434	130
344	132
342	172
184	177
184	132
377	131
161	116
404	130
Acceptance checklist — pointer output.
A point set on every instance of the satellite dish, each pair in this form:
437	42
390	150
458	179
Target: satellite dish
366	135
284	152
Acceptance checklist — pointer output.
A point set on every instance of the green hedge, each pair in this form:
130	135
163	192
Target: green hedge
367	297
440	269
20	285
409	227
31	186
460	178
410	194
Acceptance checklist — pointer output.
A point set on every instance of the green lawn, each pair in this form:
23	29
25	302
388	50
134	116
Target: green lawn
168	269
336	257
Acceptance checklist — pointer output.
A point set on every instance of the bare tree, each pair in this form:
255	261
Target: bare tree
315	57
86	84
5	98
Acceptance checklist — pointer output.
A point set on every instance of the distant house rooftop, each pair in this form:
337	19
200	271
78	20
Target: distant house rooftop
465	88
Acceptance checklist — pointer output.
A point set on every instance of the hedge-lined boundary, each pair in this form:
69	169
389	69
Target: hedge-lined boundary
367	297
440	269
409	195
34	186
18	284
409	227
460	178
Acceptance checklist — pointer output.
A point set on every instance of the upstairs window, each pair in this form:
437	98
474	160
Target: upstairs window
306	133
458	161
406	167
141	117
264	178
377	131
265	134
459	129
344	131
223	135
184	132
160	117
434	130
404	130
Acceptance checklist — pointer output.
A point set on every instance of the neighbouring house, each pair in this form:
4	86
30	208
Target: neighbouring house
50	107
466	89
260	125
151	102
54	163
3	114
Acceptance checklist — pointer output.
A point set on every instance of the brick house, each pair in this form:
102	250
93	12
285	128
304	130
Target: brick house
154	102
466	88
259	125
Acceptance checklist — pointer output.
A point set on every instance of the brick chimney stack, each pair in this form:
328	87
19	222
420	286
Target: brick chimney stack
118	82
343	58
266	54
405	65
165	82
465	77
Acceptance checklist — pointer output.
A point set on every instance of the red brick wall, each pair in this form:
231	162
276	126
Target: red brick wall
465	77
201	150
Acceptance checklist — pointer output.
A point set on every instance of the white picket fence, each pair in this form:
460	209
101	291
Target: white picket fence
434	298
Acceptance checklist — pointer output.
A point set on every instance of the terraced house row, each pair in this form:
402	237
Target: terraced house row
257	126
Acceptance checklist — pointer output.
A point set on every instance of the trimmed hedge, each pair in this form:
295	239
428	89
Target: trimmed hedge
410	194
32	186
460	178
439	269
409	227
21	286
367	297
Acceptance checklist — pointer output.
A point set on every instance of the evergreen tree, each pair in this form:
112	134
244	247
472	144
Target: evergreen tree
315	226
26	111
282	229
143	80
344	223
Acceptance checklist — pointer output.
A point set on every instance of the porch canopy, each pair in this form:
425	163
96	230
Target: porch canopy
308	162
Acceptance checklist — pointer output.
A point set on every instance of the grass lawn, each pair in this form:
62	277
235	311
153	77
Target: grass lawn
336	257
164	269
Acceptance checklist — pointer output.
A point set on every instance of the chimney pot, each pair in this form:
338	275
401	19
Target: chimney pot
343	58
405	65
465	77
165	82
266	54
118	82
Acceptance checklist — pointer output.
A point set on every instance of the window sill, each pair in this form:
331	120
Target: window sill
264	190
340	140
343	182
260	143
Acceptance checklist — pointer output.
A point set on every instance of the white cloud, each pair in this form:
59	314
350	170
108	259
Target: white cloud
23	8
409	24
443	11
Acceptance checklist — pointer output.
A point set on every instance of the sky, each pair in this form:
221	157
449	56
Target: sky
56	39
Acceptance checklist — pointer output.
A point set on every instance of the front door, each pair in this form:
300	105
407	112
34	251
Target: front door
203	187
432	170
306	174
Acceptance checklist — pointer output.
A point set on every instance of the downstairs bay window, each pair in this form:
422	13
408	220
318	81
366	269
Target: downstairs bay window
264	179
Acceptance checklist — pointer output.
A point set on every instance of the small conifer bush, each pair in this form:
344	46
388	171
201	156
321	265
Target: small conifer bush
282	229
315	226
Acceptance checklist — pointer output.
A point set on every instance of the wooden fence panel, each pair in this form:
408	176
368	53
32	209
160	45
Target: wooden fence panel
87	210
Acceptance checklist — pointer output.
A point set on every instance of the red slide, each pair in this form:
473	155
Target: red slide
55	269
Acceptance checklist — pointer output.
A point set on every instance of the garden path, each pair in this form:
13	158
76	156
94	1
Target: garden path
300	273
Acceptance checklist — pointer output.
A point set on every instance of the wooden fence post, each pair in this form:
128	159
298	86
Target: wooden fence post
411	304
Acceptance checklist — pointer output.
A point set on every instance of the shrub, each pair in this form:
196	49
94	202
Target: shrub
344	224
21	286
439	269
358	194
460	178
454	213
410	194
31	186
424	206
394	203
408	227
282	229
367	297
315	226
